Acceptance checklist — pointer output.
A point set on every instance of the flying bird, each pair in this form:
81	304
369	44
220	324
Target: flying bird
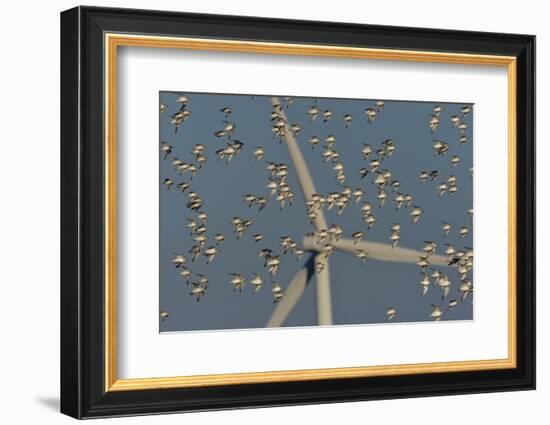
357	236
272	264
186	274
238	281
366	151
371	115
257	282
440	147
179	260
348	118
277	291
226	111
327	115
313	141
313	112
434	123
415	214
210	253
168	182
197	291
362	255
465	110
452	304
259	152
436	312
425	284
463	231
394	238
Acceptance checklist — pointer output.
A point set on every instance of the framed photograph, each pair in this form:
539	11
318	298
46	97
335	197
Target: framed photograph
261	212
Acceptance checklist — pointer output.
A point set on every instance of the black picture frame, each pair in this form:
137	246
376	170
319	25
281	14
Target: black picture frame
82	219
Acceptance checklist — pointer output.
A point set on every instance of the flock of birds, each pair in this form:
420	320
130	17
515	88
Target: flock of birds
278	190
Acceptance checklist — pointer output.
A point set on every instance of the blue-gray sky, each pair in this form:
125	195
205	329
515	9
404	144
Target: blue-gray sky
360	294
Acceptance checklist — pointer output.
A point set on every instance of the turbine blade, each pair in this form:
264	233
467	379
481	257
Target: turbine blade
377	251
300	167
292	295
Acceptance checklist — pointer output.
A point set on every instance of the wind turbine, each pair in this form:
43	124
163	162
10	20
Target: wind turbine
375	250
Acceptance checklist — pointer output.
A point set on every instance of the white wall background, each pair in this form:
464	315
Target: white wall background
29	217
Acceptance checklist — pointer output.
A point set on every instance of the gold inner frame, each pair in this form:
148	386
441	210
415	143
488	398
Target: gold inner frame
113	41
